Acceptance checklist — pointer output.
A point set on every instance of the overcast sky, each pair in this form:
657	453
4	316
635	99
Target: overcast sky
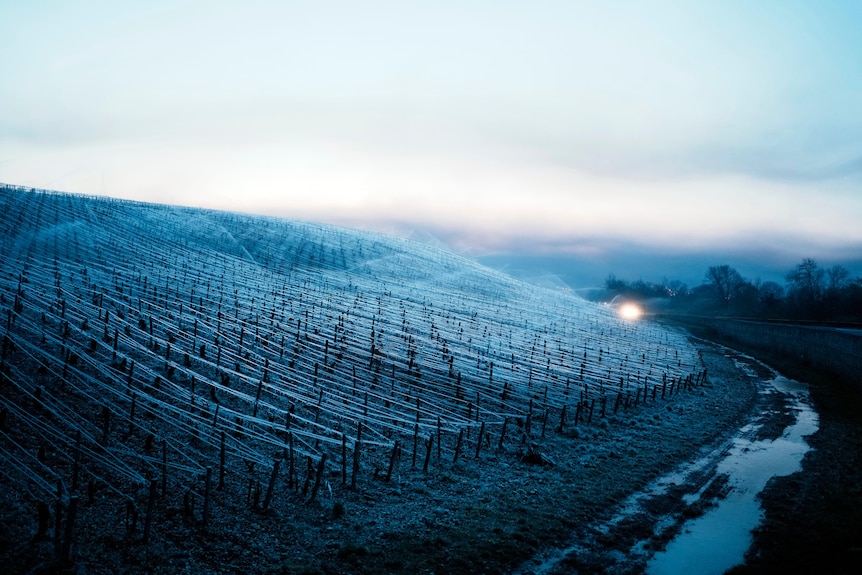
563	127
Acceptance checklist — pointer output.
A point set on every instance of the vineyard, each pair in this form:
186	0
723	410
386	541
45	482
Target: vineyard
158	359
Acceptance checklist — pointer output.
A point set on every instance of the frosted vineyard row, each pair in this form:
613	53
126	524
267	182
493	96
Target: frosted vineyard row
218	336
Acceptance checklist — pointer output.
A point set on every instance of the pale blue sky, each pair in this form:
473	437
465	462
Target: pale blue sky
569	126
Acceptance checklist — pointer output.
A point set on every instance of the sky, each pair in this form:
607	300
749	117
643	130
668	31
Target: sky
575	131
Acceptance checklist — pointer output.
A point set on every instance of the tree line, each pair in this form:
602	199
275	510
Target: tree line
811	293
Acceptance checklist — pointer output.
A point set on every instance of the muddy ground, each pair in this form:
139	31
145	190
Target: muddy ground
813	518
495	514
653	516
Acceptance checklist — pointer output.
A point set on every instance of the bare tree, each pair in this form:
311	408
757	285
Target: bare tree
614	284
838	277
770	293
806	281
724	281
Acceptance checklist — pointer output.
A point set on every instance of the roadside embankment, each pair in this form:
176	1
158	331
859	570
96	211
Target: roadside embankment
813	518
828	350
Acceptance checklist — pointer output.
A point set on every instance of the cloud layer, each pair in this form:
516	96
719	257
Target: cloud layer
502	125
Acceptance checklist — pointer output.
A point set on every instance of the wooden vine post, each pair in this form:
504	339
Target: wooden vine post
356	445
266	500
479	441
207	484
343	459
458	445
396	452
439	437
415	444
321	467
429	444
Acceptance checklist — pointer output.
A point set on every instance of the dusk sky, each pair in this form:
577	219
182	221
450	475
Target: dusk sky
568	129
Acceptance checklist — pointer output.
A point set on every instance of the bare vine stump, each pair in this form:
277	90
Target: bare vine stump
291	469
439	438
69	531
309	473
44	518
429	443
356	445
58	517
272	478
343	459
206	514
415	444
396	452
151	505
479	440
458	446
321	467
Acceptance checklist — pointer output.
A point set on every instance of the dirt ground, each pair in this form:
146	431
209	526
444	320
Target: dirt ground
487	515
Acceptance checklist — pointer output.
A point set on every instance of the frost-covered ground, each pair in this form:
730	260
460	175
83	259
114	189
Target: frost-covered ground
220	392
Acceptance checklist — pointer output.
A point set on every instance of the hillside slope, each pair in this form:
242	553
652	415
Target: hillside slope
173	364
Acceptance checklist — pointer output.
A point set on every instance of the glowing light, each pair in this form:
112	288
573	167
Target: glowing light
630	311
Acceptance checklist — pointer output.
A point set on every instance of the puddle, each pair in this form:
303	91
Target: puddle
718	540
718	489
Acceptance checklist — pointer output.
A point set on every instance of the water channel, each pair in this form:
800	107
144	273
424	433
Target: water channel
730	477
718	540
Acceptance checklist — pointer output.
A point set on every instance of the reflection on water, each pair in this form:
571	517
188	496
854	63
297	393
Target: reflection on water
718	540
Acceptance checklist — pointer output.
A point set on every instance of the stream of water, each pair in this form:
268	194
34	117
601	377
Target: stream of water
739	469
718	540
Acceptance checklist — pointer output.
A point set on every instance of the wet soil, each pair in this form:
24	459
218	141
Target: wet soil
654	516
813	518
